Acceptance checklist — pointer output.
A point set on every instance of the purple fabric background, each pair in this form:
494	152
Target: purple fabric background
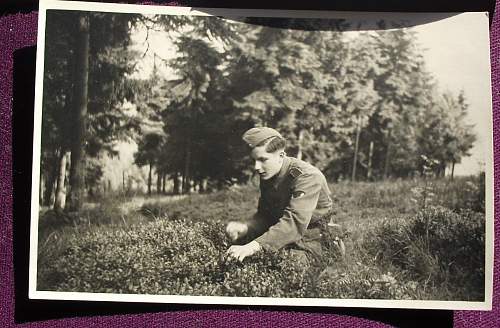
19	31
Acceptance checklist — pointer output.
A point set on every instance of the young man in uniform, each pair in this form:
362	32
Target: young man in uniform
294	197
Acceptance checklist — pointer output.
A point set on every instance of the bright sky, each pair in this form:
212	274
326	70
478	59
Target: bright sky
456	51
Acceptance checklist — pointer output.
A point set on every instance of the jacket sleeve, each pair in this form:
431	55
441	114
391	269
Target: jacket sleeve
296	216
258	224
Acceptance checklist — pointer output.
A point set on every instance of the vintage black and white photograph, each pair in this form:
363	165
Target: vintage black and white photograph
229	156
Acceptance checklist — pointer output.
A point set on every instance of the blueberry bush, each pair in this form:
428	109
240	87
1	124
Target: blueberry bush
439	248
396	249
171	257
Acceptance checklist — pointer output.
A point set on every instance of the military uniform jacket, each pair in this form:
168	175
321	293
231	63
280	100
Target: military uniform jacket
289	202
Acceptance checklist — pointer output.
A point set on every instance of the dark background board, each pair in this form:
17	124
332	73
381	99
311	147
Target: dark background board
22	121
13	6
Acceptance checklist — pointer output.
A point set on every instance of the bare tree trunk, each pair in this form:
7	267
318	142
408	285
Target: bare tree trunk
452	169
150	178
387	156
60	198
124	188
356	146
186	184
201	186
300	141
370	156
177	183
76	177
47	190
49	185
158	182
164	185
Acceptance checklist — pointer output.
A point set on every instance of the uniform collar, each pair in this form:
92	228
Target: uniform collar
283	171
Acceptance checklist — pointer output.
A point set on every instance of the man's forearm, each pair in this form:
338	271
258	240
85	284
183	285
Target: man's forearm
257	225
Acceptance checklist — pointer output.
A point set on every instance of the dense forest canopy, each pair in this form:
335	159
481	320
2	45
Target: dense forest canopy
357	106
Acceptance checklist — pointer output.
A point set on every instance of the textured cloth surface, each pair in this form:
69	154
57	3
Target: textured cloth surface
19	31
255	136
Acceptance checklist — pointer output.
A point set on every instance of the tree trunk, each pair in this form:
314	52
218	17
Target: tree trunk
370	156
158	182
452	169
77	171
164	185
60	199
201	186
150	178
387	156
300	141
356	146
177	183
124	188
49	185
186	184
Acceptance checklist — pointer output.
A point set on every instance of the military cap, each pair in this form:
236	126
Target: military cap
255	136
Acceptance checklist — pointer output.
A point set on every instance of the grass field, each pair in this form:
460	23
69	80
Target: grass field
406	239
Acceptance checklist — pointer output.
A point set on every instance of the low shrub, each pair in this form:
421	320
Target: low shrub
463	193
177	247
170	257
360	281
438	247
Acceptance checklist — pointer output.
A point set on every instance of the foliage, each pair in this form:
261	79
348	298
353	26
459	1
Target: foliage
109	63
176	247
360	281
155	259
444	136
319	86
434	247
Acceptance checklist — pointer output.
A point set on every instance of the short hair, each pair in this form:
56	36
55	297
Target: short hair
273	144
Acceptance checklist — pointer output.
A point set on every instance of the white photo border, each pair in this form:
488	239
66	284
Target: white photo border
33	293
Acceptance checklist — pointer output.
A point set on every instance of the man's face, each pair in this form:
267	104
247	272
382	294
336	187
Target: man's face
267	164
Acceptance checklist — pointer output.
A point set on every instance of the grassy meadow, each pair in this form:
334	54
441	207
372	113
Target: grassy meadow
405	239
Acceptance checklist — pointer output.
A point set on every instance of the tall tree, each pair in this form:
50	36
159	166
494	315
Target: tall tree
444	136
403	86
91	62
80	97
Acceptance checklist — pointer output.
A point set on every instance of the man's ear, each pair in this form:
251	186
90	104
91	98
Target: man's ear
282	153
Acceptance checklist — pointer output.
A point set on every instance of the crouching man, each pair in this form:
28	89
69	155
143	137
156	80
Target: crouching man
294	198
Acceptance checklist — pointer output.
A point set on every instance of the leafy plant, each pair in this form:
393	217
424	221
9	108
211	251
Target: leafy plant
177	246
436	247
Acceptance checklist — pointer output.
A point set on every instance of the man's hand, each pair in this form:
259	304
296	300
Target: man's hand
235	230
240	252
